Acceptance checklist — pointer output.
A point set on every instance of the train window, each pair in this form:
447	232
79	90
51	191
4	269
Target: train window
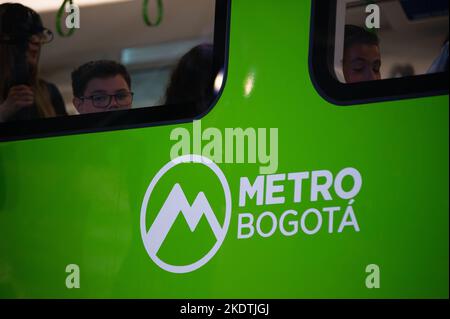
366	51
83	66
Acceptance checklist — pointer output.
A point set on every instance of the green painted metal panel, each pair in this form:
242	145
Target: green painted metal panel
77	199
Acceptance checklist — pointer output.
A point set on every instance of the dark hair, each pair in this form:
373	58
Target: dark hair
18	23
96	69
193	80
357	35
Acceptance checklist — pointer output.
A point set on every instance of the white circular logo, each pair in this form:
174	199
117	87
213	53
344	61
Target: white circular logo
177	203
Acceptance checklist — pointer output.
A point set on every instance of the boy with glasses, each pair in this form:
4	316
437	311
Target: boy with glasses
100	86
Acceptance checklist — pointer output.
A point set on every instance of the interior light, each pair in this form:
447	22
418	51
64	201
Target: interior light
54	5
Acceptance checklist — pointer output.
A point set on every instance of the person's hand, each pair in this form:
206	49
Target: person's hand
19	97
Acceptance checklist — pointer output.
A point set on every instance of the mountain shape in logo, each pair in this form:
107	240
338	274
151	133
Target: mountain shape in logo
175	204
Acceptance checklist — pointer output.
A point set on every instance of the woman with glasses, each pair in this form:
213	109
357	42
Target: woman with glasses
23	94
100	86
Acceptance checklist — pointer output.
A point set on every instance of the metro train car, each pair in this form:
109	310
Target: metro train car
218	149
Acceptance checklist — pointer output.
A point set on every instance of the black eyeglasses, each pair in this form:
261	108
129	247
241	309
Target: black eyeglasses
103	101
43	36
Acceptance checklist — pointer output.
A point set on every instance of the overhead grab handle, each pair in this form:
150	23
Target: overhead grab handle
145	12
60	22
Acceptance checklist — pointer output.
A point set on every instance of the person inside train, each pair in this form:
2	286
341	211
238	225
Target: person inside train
23	94
192	80
362	58
100	86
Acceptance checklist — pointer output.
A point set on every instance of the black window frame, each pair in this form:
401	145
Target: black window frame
134	118
321	69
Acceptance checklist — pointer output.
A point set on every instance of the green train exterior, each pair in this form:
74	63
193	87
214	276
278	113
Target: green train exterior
76	199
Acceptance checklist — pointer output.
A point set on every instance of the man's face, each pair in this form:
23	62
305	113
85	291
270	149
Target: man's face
97	96
362	63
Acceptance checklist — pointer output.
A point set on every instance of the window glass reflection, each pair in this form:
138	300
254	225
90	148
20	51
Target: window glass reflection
114	61
390	38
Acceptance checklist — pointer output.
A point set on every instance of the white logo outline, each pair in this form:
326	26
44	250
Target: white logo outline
144	233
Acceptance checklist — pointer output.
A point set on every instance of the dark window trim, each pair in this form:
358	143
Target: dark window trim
135	118
321	69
